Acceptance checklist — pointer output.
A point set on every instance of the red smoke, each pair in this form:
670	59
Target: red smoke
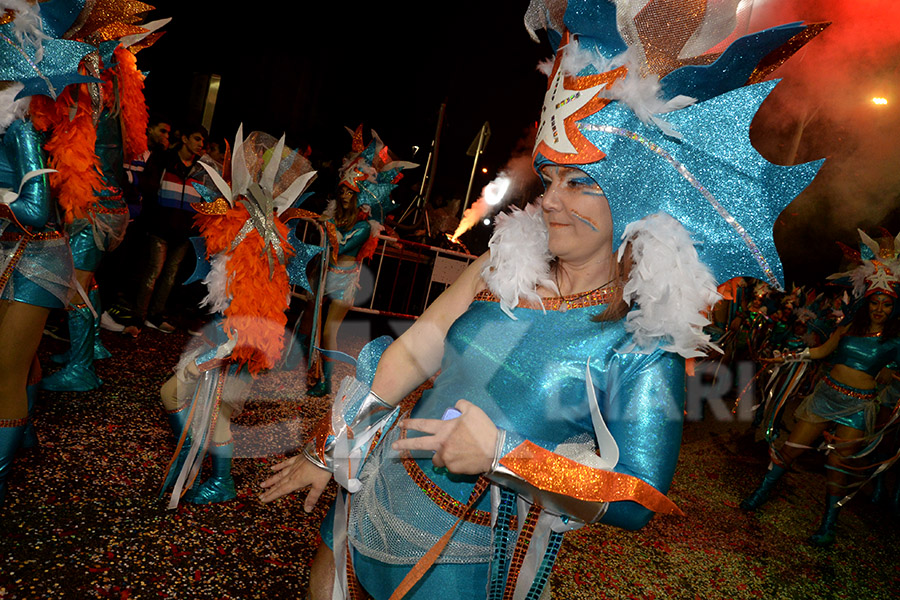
824	109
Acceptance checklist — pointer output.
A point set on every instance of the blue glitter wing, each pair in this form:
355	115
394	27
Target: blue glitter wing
713	180
106	51
58	68
206	193
596	22
202	266
733	67
59	15
377	196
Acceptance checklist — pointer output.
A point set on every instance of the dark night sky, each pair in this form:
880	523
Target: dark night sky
387	65
390	65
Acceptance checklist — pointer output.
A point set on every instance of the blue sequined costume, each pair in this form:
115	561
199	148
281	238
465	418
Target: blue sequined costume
343	279
36	262
833	401
528	375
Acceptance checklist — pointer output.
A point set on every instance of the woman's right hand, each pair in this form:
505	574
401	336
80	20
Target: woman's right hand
295	474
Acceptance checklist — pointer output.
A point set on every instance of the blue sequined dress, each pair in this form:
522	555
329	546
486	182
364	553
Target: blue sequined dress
35	262
343	278
528	375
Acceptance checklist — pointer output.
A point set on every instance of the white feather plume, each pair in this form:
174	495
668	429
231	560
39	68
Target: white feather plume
857	277
520	260
671	287
217	298
27	25
11	109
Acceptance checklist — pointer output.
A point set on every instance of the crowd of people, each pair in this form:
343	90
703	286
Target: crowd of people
559	357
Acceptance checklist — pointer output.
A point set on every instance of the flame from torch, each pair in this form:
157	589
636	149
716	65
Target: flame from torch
492	195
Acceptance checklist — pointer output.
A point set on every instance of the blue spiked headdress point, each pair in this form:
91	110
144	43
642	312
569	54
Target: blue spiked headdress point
641	101
32	54
373	174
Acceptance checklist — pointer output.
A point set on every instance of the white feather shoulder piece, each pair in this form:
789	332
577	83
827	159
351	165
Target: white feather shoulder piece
11	109
217	298
520	260
670	287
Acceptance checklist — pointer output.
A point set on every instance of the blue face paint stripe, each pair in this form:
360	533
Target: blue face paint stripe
585	220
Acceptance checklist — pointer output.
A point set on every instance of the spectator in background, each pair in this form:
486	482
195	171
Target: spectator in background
118	274
167	219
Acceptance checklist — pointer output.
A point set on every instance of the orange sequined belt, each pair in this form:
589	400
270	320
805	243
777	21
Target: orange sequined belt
850	391
15	236
100	209
445	501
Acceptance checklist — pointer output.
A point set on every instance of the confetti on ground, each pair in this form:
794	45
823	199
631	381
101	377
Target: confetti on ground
83	520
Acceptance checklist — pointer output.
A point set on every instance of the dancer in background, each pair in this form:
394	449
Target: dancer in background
248	255
846	397
35	261
92	130
368	177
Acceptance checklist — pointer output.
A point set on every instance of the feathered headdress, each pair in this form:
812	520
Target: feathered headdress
108	78
372	172
641	100
878	267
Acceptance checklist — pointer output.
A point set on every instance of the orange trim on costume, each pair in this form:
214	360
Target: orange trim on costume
587	152
551	472
420	568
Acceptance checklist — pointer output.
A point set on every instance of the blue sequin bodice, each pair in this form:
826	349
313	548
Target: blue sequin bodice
868	354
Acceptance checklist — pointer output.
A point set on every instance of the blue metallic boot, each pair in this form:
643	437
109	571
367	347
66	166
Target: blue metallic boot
323	388
30	439
824	536
78	375
11	433
100	351
220	485
761	494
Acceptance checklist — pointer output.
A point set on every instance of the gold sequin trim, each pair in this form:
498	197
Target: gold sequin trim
13	422
597	297
15	236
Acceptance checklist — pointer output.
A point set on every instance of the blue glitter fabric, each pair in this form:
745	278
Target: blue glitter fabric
43	271
57	69
867	354
528	376
712	180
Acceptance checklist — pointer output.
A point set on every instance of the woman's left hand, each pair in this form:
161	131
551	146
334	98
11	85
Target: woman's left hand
464	445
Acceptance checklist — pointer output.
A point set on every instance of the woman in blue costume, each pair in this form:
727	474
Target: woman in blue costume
563	358
367	178
111	111
35	262
846	398
342	279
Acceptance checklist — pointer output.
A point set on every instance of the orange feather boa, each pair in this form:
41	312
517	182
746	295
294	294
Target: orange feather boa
256	313
70	149
134	109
